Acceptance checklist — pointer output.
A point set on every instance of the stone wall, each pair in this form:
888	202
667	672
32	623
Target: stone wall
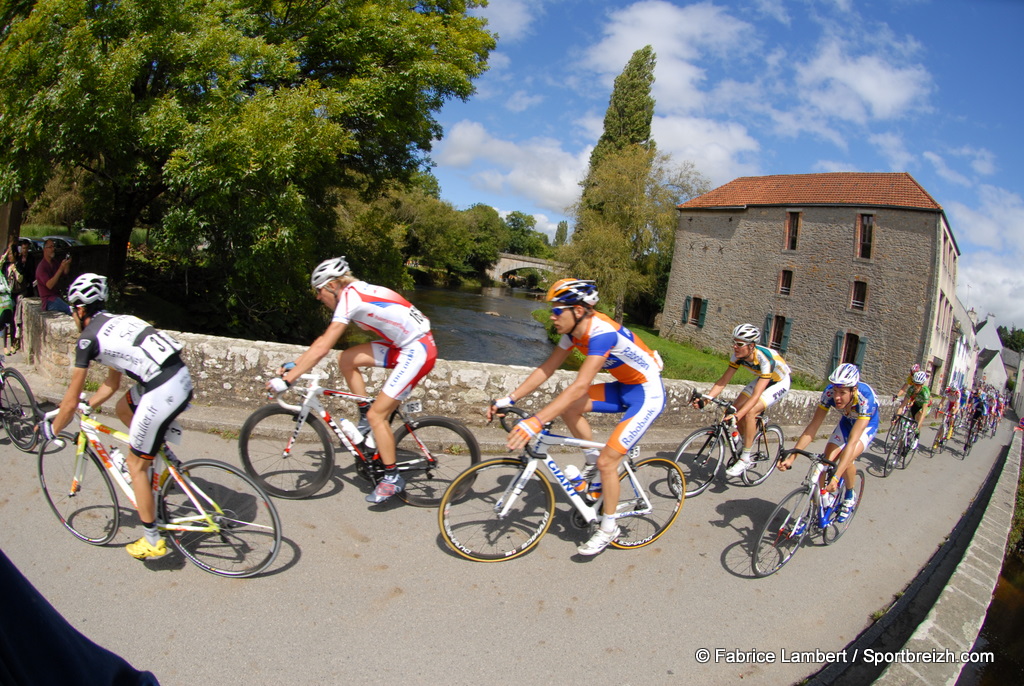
232	372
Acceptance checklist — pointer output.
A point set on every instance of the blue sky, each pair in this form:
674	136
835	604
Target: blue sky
752	87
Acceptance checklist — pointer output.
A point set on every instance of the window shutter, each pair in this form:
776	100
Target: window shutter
703	312
766	329
785	335
686	309
861	346
837	347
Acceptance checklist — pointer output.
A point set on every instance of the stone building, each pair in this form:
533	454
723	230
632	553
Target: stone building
835	267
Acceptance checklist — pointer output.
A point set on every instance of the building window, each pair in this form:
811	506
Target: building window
851	342
775	333
694	310
785	281
859	298
865	235
778	327
792	229
848	347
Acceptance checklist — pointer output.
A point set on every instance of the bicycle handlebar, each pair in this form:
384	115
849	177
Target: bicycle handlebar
697	395
818	457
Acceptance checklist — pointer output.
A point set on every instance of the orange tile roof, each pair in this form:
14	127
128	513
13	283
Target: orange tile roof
831	188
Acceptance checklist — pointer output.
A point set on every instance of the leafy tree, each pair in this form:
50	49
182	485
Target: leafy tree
1012	338
561	233
229	123
523	238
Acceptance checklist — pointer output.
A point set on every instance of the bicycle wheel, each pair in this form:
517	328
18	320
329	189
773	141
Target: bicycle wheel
510	416
20	412
911	450
286	460
940	436
700	457
431	452
471	527
767	446
227	525
782	534
665	486
892	454
831	533
78	490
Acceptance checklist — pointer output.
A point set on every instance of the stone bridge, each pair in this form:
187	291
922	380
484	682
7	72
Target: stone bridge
508	262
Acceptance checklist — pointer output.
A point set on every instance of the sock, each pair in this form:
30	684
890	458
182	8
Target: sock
745	455
151	532
391	472
607	523
592	455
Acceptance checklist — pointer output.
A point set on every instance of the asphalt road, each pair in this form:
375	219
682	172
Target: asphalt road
370	595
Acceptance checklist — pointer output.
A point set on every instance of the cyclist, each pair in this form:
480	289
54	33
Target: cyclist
907	384
952	396
918	398
857	402
637	390
977	411
770	384
127	345
406	346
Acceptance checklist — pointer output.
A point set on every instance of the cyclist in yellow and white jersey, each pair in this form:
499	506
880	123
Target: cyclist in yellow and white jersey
771	382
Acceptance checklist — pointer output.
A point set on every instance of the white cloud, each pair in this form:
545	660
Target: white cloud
512	20
833	166
892	148
944	170
860	89
982	161
716	148
520	101
775	9
537	169
991	282
998	222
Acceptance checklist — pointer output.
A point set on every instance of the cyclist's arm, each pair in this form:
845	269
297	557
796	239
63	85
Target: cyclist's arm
576	390
321	346
69	403
722	382
812	428
106	390
536	378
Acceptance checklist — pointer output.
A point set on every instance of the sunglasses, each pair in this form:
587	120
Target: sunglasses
557	311
740	344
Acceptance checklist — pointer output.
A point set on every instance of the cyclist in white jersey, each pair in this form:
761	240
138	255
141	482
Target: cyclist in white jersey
637	391
406	346
127	345
770	383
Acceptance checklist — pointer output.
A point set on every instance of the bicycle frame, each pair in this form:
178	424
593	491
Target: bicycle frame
538	455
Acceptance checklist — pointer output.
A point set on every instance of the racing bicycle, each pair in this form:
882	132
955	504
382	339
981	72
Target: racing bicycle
808	509
702	453
500	509
214	514
901	446
944	432
18	409
288	449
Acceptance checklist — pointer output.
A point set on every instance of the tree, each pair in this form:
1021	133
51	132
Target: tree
1012	338
237	119
561	233
523	238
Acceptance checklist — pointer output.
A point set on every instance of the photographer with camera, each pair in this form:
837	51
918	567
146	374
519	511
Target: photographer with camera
48	276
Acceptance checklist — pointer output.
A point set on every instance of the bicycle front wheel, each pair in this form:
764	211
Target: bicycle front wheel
430	453
20	412
892	454
782	534
767	446
78	490
663	483
220	519
699	456
469	512
835	529
910	451
286	458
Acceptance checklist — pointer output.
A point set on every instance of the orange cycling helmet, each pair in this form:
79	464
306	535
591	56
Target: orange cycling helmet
572	292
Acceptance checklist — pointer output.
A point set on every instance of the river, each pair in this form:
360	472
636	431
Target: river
484	325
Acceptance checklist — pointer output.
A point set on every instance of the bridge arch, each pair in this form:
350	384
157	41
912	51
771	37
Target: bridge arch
508	262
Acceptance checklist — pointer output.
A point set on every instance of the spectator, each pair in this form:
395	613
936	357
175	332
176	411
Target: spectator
48	276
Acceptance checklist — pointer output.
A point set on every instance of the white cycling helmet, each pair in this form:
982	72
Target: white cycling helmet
748	333
573	292
87	289
328	270
920	377
845	375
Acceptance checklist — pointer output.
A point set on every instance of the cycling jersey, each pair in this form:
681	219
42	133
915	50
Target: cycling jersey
919	396
767	364
127	344
864	405
628	359
382	311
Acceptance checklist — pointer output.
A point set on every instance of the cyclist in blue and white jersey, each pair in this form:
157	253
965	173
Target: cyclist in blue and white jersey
127	345
771	382
857	427
406	347
637	390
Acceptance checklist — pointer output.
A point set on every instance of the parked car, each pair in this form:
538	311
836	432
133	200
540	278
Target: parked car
62	241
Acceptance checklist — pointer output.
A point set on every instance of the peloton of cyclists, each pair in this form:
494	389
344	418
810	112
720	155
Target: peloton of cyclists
771	383
857	402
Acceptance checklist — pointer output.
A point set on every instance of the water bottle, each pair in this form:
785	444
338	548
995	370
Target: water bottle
350	430
120	461
827	499
572	473
735	437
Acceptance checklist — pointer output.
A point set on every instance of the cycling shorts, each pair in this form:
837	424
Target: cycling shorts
642	404
410	364
842	434
772	394
915	408
154	406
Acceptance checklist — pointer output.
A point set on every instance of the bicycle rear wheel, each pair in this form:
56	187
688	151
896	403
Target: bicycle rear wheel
700	457
471	527
665	486
831	533
286	459
430	453
782	534
226	525
766	449
78	490
20	411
